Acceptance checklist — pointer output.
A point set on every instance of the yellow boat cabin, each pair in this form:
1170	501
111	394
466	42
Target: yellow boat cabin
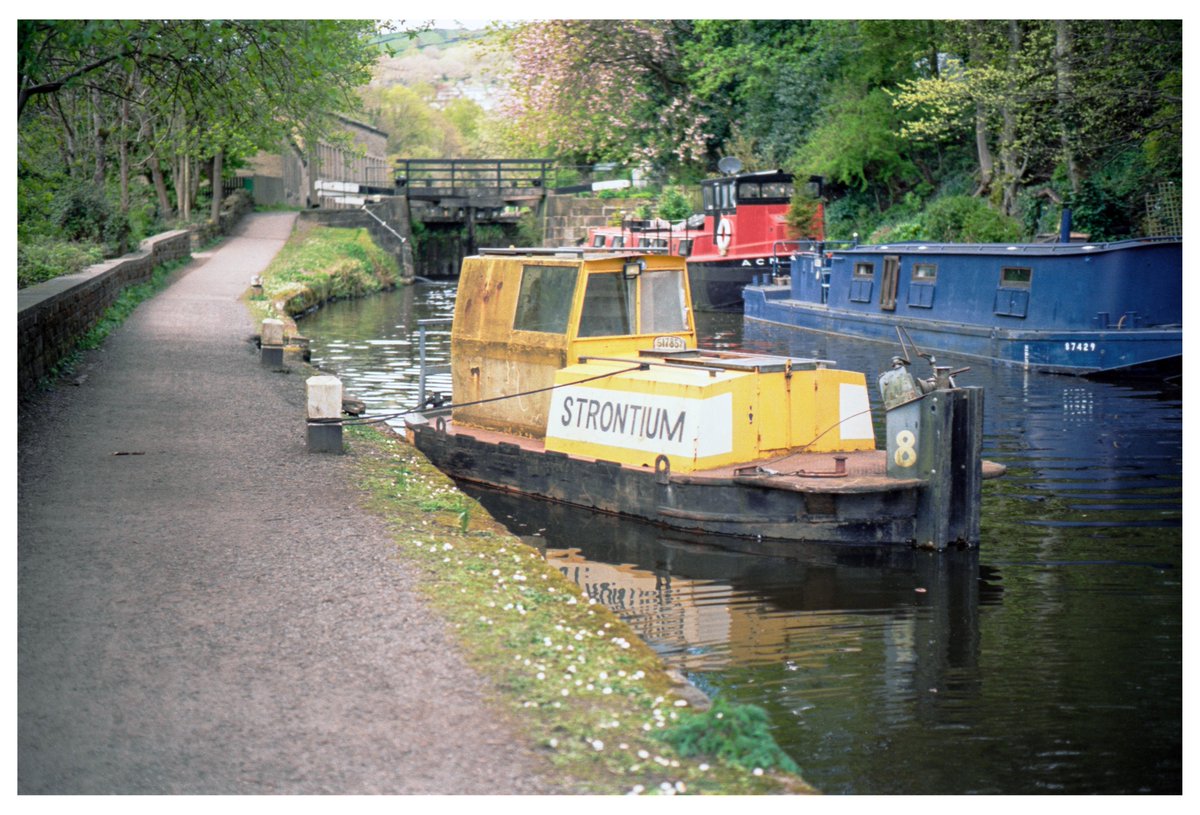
595	355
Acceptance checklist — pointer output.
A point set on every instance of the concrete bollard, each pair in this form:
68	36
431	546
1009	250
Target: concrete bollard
272	343
324	428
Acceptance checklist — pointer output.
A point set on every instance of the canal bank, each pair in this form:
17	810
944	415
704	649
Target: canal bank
205	608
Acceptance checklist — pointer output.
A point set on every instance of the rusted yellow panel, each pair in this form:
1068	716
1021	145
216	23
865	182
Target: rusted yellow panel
830	411
492	353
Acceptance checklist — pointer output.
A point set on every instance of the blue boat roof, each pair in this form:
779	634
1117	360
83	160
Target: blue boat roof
1012	248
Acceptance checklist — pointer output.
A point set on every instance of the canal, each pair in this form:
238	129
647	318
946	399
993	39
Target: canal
1047	661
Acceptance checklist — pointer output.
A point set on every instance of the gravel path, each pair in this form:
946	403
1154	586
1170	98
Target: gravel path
213	612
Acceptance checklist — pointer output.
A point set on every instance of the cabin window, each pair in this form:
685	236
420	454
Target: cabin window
778	189
685	248
709	199
1015	277
725	196
746	191
862	284
663	308
924	272
608	306
618	242
544	303
597	240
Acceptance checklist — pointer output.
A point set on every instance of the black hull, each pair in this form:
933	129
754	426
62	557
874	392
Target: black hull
717	284
839	513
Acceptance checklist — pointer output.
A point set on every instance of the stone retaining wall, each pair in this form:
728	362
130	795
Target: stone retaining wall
53	315
568	218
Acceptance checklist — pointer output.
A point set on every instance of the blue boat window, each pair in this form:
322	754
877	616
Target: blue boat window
863	283
608	306
924	272
1015	277
544	303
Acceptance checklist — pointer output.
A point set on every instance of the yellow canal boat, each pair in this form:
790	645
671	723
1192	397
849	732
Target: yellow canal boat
577	378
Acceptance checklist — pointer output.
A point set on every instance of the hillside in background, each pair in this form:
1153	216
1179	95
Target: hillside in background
445	64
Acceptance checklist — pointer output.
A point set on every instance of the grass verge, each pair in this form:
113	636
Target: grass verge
321	263
578	680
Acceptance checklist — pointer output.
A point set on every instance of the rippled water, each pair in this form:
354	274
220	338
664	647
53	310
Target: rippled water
1049	660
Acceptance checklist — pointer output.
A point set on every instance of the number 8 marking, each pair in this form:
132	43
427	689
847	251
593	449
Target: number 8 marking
906	453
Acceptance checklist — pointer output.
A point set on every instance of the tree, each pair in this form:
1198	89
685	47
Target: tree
589	90
176	95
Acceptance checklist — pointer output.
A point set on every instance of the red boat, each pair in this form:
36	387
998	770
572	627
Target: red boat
731	243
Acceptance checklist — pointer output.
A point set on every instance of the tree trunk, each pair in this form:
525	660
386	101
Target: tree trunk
1009	160
160	188
100	136
987	164
1066	85
217	188
124	156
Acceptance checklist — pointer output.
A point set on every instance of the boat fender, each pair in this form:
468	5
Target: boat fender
724	235
440	424
662	469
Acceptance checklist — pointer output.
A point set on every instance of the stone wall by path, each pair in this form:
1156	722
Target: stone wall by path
52	316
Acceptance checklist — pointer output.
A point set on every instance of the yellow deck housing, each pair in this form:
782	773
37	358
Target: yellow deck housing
702	415
519	319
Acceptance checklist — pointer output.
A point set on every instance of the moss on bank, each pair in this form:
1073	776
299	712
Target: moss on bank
578	680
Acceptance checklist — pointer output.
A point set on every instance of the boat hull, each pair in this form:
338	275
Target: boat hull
717	285
1079	352
838	511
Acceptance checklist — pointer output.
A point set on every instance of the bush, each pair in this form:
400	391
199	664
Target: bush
84	213
673	205
45	259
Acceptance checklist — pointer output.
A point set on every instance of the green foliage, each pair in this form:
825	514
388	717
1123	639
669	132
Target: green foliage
673	205
84	213
802	213
43	259
739	735
953	219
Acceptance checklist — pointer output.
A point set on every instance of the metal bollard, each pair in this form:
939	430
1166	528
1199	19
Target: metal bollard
272	343
324	427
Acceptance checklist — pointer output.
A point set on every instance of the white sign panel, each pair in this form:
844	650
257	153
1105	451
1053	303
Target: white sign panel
854	409
336	186
671	425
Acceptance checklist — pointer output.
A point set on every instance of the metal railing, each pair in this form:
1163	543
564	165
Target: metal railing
439	177
427	370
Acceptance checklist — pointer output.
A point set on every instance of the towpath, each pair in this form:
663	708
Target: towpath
203	606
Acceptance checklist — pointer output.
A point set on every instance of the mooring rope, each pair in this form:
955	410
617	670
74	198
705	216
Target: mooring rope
385	417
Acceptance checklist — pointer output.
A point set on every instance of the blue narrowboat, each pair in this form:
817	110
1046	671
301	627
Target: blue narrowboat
1075	308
